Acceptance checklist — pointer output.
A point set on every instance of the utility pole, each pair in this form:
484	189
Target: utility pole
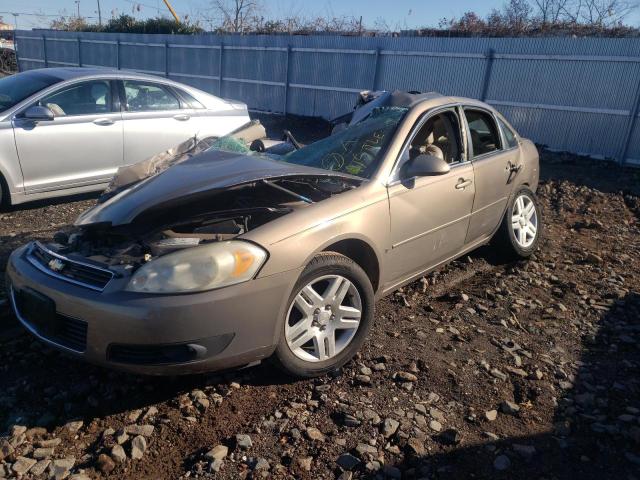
15	19
78	5
99	14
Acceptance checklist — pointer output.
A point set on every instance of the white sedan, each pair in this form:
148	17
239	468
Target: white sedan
67	130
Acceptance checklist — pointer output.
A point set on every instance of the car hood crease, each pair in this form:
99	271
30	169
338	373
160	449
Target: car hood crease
209	171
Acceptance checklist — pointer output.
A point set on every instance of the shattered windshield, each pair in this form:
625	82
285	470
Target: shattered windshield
356	150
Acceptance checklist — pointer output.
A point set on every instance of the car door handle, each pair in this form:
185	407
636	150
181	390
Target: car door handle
513	168
463	183
103	121
181	117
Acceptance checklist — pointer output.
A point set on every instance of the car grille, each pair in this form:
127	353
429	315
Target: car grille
61	329
79	273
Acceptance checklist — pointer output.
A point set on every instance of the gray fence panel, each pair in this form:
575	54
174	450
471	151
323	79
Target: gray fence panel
574	94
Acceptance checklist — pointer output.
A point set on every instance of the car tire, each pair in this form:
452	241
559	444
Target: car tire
521	227
323	273
4	194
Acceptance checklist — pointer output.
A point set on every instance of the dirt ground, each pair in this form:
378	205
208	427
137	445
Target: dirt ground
483	369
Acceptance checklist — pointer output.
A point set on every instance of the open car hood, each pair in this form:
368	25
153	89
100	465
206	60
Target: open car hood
207	172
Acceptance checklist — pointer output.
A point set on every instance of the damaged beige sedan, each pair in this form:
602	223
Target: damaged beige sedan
229	251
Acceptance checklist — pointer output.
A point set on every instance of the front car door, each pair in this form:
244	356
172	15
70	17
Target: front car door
430	215
155	119
494	160
81	146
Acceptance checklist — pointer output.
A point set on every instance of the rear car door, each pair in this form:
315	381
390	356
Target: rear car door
154	118
430	215
494	162
81	146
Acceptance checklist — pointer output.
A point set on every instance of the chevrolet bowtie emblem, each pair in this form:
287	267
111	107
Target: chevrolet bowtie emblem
56	265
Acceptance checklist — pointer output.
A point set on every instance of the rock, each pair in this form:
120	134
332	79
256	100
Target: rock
416	446
406	377
74	426
151	412
40	467
80	476
450	436
593	259
5	450
389	427
215	466
501	463
54	442
243	441
105	464
118	454
40	453
138	447
364	449
144	430
304	463
435	425
498	374
17	430
436	415
509	408
60	468
491	415
219	452
314	434
262	464
363	379
121	437
347	461
22	465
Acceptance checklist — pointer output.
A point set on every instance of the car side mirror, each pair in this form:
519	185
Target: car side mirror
425	166
38	112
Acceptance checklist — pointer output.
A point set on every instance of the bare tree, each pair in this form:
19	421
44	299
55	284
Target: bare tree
237	15
605	13
551	11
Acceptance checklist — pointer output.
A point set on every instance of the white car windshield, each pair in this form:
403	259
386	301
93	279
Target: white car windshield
16	88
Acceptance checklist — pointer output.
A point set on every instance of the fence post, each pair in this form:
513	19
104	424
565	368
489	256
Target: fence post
286	79
44	50
376	70
633	114
118	54
166	58
220	64
487	74
79	52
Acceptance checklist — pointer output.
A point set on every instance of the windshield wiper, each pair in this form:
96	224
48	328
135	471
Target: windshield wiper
290	192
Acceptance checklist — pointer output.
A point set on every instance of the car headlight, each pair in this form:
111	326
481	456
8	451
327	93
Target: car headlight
200	268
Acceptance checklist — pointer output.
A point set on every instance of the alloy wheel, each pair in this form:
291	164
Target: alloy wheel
323	318
524	221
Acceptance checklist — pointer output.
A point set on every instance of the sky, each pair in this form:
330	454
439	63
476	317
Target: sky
398	14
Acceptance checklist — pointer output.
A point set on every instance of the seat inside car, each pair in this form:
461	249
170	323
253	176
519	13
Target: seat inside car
437	137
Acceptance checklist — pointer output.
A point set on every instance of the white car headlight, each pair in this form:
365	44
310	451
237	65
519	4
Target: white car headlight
200	268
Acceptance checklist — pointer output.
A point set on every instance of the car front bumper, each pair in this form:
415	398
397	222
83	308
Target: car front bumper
154	334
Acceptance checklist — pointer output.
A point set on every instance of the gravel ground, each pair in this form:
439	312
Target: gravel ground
483	369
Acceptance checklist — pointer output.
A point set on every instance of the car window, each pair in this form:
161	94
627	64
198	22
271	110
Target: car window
509	136
439	136
190	100
357	149
149	97
16	88
86	98
483	130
